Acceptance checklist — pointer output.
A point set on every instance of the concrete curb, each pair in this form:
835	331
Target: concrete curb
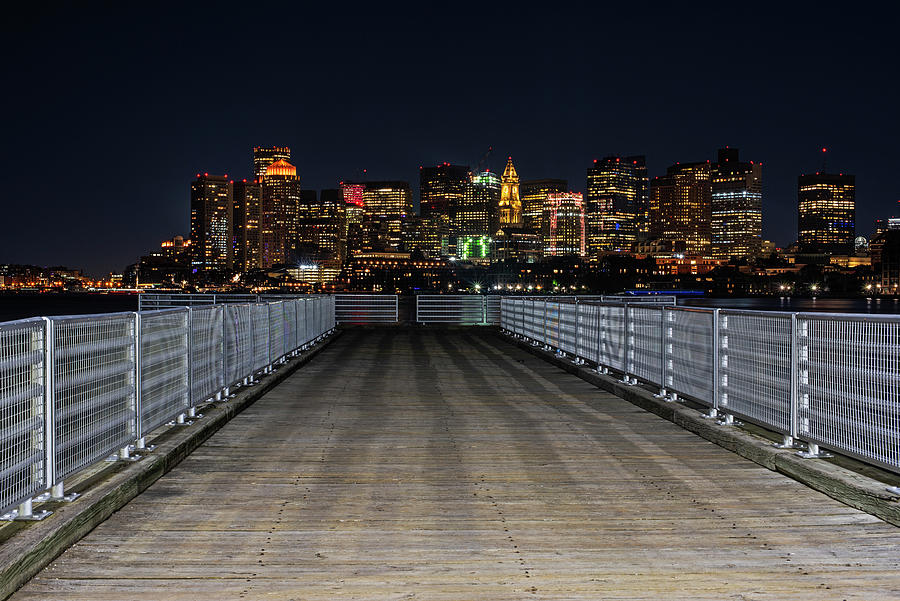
839	483
36	544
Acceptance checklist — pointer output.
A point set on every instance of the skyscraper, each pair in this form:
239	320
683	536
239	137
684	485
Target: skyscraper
279	214
641	176
612	205
442	189
476	213
564	223
247	250
736	209
680	206
211	223
263	156
534	201
826	213
510	204
387	204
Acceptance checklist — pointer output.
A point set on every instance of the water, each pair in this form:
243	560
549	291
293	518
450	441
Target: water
20	305
819	305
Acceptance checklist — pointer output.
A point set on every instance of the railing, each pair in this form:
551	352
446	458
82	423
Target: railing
366	308
824	379
75	390
457	309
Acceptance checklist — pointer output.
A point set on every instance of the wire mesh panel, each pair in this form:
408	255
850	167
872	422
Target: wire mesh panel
164	367
534	320
611	351
303	320
492	310
259	319
458	309
289	316
849	384
94	392
22	436
567	327
588	331
689	348
366	308
551	323
645	343
238	343
276	331
755	366
207	352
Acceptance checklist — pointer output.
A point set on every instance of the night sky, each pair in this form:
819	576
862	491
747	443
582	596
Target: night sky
111	110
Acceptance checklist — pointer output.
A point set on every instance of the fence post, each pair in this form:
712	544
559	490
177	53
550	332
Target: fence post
714	410
138	398
626	344
788	439
57	490
662	352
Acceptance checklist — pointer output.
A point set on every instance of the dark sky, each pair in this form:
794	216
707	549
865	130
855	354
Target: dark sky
111	109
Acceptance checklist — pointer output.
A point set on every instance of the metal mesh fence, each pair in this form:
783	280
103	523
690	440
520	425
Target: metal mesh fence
464	310
689	348
645	343
366	308
849	387
238	343
94	400
207	352
611	351
568	323
164	367
551	323
276	331
22	435
588	332
259	319
755	367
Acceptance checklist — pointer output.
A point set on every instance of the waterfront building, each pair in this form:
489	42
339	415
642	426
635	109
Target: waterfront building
247	249
517	244
612	206
510	213
534	195
420	236
681	205
211	223
564	224
263	156
826	213
279	214
476	213
736	207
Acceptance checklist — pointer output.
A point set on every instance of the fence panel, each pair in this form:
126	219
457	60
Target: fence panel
492	310
689	352
458	309
588	331
755	367
22	388
366	308
849	387
238	343
259	318
276	331
645	343
94	389
611	351
568	315
165	391
551	323
207	352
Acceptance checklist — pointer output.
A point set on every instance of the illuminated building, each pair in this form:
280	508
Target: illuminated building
680	206
170	265
516	244
612	206
475	213
211	223
510	205
395	272
642	179
885	249
279	213
474	248
826	213
263	156
736	209
442	189
564	223
247	249
385	205
534	201
321	228
420	236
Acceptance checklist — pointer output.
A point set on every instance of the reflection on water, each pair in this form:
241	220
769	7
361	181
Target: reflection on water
819	305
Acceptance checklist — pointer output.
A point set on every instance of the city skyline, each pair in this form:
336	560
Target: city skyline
104	144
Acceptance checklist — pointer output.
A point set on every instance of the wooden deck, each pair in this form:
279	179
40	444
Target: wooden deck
413	464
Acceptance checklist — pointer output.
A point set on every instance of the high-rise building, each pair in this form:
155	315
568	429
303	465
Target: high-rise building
534	201
736	209
612	206
564	223
263	156
211	223
442	189
387	203
247	249
826	213
420	235
681	205
641	176
476	211
279	214
510	204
